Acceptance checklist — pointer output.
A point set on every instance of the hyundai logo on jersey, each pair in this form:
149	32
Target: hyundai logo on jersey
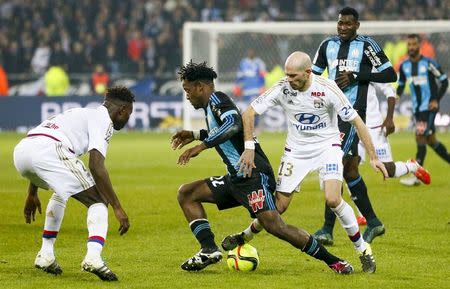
307	118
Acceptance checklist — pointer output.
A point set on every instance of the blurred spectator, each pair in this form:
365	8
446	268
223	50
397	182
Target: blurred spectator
41	58
4	88
135	47
56	81
150	55
100	80
211	13
13	58
112	61
77	59
250	77
58	56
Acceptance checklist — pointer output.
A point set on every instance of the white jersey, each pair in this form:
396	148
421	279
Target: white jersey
311	114
374	117
80	129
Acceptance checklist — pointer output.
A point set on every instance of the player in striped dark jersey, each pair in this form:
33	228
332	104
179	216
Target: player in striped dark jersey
255	193
422	72
350	58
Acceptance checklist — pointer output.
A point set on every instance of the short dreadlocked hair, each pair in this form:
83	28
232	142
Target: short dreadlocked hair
350	11
119	93
197	71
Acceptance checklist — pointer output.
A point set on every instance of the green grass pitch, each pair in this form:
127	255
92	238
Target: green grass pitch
414	253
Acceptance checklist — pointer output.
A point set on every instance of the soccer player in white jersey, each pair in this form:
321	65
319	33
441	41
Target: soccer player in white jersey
312	104
379	129
48	158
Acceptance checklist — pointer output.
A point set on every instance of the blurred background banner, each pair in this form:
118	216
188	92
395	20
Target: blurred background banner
162	112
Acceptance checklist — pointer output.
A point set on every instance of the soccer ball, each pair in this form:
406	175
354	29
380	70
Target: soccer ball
243	258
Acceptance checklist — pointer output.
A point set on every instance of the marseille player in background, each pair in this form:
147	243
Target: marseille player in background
255	193
422	72
350	59
48	157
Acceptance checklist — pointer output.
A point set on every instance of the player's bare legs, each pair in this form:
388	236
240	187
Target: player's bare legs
190	197
232	241
45	259
347	218
358	190
97	224
272	222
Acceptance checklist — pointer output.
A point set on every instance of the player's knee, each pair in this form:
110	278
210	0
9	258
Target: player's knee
333	200
182	193
273	226
282	207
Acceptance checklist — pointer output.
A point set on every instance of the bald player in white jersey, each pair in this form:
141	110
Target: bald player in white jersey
312	104
48	158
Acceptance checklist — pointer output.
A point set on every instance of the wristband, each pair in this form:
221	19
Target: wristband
196	134
249	145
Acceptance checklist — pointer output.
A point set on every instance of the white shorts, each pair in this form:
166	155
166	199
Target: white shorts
294	169
381	144
49	164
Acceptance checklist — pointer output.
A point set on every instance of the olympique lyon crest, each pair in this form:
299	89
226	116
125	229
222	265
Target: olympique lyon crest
318	103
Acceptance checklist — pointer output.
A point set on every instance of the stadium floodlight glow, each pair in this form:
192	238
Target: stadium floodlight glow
223	44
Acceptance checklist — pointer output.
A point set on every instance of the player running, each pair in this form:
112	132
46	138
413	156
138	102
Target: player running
421	72
48	157
255	193
350	60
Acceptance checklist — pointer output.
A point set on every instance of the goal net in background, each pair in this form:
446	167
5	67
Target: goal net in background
223	45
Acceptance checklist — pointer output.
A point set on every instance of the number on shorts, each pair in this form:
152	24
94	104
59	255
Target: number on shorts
217	181
285	169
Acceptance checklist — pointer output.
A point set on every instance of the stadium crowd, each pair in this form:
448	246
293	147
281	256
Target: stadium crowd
144	37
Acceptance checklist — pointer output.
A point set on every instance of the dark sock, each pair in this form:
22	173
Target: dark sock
359	195
440	149
316	250
202	231
421	152
330	220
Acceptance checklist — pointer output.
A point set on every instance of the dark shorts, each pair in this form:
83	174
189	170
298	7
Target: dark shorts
255	193
425	122
349	138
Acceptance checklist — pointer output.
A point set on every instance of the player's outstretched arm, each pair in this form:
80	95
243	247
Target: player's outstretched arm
191	153
182	138
247	159
31	204
105	188
364	136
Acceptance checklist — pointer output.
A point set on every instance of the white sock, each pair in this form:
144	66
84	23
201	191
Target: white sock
403	168
347	218
54	215
254	228
97	223
412	166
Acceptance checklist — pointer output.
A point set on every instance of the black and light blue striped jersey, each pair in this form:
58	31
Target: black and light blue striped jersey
360	54
225	133
421	76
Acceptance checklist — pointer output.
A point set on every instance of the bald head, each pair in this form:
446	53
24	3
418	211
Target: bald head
298	61
298	70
